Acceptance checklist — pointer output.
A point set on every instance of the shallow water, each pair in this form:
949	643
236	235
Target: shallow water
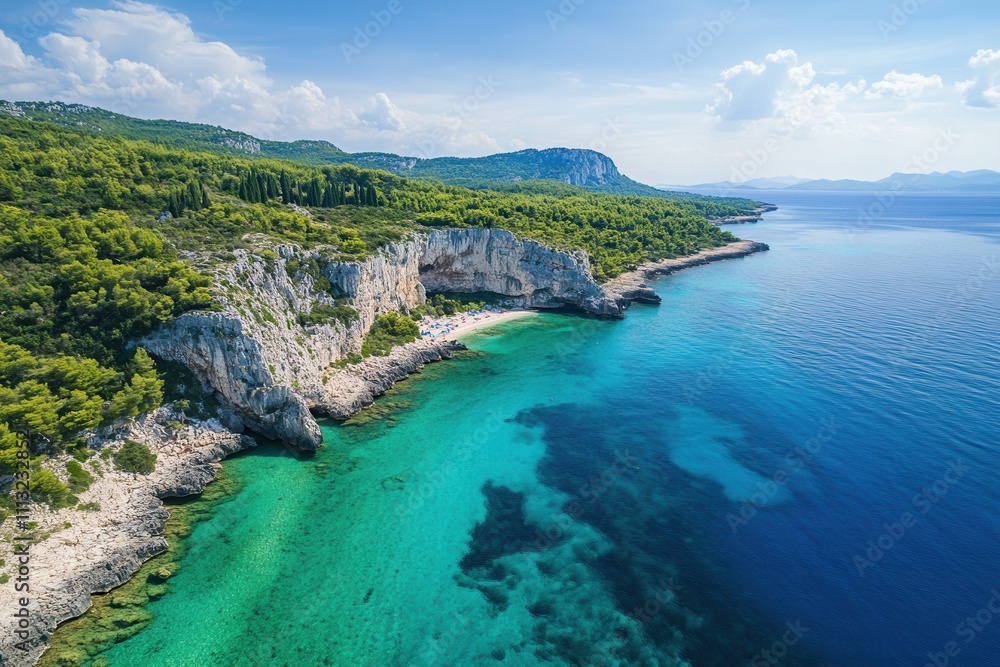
679	486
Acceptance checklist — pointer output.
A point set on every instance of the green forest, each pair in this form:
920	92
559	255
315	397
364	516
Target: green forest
94	231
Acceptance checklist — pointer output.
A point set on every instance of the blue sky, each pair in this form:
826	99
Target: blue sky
679	92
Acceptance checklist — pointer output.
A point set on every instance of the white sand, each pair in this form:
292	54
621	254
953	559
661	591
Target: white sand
464	323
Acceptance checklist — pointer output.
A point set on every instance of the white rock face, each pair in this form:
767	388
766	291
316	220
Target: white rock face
272	372
494	260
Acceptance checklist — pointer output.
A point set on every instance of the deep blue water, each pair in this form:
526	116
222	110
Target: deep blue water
878	339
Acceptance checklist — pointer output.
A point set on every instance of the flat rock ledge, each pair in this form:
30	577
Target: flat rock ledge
103	549
632	288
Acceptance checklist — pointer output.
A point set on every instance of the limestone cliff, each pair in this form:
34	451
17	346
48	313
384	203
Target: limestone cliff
494	260
271	372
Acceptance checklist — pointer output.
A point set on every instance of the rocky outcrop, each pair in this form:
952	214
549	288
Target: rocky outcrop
753	217
90	552
272	373
358	386
495	261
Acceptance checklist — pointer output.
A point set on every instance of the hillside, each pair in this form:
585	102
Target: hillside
105	239
584	168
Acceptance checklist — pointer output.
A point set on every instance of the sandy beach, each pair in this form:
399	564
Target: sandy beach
461	324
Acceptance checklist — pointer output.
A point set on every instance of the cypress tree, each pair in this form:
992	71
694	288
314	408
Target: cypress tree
317	191
253	189
286	188
205	201
262	188
193	198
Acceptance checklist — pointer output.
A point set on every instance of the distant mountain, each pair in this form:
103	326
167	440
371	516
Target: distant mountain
778	183
584	168
982	180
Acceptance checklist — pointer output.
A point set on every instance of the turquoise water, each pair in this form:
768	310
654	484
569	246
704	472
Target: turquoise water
682	487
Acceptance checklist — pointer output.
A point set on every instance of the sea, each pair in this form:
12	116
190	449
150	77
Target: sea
794	460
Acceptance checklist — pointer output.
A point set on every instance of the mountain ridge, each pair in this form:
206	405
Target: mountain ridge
980	180
572	166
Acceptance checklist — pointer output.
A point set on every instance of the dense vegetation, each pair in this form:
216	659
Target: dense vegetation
389	330
94	230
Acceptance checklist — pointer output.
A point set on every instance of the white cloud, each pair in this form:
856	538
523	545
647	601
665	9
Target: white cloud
382	115
983	90
77	56
163	39
781	92
11	55
750	91
904	86
146	60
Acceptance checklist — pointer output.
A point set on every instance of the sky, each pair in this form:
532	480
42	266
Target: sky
675	92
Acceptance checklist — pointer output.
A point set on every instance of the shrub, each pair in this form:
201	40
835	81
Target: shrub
79	479
135	457
325	314
46	488
389	330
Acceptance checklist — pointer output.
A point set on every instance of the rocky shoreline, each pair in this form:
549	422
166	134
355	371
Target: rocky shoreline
358	386
271	374
633	287
754	217
87	552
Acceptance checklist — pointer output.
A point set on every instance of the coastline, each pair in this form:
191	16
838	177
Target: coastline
754	217
135	516
632	286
